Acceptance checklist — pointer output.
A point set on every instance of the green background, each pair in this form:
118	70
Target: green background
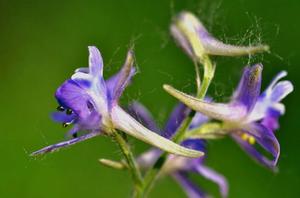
42	42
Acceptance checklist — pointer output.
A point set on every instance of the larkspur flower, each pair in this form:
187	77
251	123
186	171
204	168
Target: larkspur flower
250	117
196	41
179	168
90	103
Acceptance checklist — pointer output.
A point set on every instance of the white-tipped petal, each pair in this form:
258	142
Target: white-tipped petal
227	112
95	62
123	121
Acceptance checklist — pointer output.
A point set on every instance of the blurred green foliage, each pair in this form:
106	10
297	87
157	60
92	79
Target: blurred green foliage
42	42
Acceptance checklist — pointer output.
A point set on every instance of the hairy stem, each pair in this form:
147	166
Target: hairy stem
135	172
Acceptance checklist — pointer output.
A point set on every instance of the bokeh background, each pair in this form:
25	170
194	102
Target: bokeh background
42	42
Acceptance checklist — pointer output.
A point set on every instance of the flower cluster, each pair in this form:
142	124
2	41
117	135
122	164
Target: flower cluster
176	166
89	103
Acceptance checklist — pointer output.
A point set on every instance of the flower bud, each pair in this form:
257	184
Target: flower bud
196	41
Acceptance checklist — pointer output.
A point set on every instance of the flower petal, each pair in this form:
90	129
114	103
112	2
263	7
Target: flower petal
269	100
188	186
73	96
198	120
93	83
182	41
277	90
95	62
141	113
83	70
196	41
281	90
275	80
266	139
123	121
148	158
227	112
196	144
64	144
271	119
249	87
178	114
215	177
63	117
118	82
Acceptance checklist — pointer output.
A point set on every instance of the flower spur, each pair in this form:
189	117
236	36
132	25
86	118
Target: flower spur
192	36
250	117
179	168
90	103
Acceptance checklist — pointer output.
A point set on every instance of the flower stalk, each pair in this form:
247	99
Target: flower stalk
133	169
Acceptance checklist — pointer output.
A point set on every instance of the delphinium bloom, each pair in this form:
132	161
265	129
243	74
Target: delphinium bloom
190	34
90	104
178	167
250	117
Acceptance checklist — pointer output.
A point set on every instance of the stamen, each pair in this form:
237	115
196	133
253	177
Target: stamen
251	140
244	136
69	111
65	124
248	138
60	108
90	106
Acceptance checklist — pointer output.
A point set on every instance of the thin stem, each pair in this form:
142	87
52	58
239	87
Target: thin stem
198	80
135	173
209	71
183	127
153	173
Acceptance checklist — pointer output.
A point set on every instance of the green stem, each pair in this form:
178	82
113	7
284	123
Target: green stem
198	80
135	173
209	71
153	173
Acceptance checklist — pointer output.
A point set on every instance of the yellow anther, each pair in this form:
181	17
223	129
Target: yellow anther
251	139
245	136
248	138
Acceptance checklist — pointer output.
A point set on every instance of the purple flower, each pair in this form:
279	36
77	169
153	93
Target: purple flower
90	104
250	117
196	41
179	167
